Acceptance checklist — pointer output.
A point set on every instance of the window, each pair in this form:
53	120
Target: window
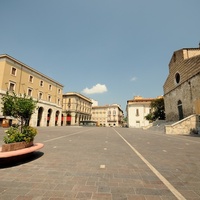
14	71
50	87
177	78
40	95
49	97
41	83
69	102
58	101
30	92
114	112
59	91
11	86
137	112
31	79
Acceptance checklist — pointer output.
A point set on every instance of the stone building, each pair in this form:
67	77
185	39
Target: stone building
182	86
76	108
108	115
22	79
137	108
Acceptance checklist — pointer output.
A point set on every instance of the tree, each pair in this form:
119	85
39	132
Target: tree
21	107
158	110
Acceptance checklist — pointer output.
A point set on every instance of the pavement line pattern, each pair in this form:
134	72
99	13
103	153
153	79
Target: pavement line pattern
175	137
57	138
178	195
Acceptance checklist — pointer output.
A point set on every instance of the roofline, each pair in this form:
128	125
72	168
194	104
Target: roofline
186	49
144	99
30	68
140	100
108	106
77	94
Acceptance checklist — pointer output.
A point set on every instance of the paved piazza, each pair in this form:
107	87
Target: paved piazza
91	163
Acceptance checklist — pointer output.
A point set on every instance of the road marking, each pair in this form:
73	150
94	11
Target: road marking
178	195
57	138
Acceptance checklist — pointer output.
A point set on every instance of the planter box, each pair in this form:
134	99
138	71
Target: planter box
16	146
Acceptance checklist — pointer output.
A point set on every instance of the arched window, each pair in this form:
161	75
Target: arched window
177	78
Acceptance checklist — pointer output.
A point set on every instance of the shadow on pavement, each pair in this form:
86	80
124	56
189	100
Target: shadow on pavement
19	160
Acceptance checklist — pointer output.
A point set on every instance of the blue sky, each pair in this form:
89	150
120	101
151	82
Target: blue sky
108	50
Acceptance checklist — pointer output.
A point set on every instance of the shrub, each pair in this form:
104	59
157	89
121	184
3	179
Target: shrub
29	133
13	134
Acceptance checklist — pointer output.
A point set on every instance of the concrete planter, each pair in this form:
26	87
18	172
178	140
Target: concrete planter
16	146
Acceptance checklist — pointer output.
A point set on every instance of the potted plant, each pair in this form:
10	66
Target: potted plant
21	135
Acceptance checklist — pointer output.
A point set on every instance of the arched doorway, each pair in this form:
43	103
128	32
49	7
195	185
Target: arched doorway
39	118
180	110
56	118
49	116
69	118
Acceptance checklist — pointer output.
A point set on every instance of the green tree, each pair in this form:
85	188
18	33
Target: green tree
21	107
158	110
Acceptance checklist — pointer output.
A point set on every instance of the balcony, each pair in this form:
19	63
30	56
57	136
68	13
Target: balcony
111	120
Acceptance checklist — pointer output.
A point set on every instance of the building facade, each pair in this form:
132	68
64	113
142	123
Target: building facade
181	88
108	115
137	109
21	79
76	108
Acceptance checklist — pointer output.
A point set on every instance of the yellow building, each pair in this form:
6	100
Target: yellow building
76	108
22	79
108	115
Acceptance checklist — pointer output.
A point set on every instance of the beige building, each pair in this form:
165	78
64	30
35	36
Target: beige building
22	79
137	108
108	115
182	86
76	108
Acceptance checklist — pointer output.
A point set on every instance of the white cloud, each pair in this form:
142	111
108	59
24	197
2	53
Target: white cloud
98	88
134	78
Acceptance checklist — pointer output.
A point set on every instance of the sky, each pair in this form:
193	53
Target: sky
107	50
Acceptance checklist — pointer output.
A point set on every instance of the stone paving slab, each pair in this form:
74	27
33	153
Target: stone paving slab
91	163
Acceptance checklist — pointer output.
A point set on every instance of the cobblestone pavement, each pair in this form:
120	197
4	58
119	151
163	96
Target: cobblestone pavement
91	163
